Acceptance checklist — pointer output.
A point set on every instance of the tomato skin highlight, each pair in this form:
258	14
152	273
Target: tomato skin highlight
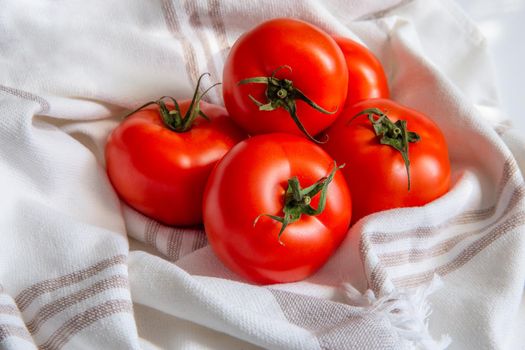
317	67
366	76
162	173
376	173
251	180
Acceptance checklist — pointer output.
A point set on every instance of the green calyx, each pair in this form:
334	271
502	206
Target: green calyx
280	93
297	200
392	134
173	118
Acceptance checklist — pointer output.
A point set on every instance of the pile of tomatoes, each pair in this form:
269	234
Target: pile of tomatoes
308	143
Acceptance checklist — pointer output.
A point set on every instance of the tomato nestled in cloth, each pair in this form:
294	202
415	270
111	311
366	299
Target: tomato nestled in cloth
285	75
275	208
159	160
394	155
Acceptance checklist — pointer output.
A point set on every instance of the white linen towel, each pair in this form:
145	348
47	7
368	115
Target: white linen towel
450	273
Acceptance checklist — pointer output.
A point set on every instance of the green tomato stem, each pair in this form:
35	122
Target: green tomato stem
395	135
280	93
297	200
173	118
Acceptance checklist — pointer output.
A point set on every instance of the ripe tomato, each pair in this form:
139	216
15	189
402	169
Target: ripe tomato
162	173
248	195
274	69
366	76
376	172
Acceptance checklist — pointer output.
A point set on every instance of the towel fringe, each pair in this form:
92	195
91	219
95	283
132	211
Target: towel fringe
407	312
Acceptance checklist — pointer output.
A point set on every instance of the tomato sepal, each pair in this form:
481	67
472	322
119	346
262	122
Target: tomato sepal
297	200
173	118
280	93
392	134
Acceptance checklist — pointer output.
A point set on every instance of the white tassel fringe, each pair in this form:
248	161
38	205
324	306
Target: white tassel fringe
407	311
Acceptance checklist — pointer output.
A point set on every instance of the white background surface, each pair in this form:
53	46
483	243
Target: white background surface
503	24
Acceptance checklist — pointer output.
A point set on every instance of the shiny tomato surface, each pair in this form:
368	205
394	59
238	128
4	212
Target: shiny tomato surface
250	183
162	173
366	76
289	49
375	172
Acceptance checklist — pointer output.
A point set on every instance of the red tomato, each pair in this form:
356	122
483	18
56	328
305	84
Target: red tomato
376	173
366	76
162	173
300	56
249	185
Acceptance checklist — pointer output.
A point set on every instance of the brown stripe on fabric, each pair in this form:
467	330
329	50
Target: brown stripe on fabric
415	255
76	324
8	330
195	21
199	241
155	232
382	13
29	294
364	249
175	244
510	168
465	256
188	51
9	310
51	309
219	29
44	105
151	231
377	277
473	216
337	325
218	26
147	229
